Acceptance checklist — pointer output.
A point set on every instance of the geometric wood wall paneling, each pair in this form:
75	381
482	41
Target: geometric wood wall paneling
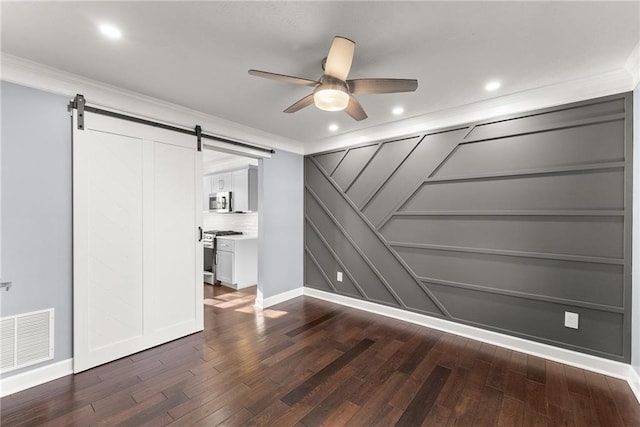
504	224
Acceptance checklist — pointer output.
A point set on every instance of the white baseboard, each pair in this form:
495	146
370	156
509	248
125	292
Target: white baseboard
277	299
34	377
634	382
568	357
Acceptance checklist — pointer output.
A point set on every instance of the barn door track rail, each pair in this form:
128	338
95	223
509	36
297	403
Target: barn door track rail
79	103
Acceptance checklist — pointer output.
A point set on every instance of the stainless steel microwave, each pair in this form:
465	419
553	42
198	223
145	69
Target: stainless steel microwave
220	202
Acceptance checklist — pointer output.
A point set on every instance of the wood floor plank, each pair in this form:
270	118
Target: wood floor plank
627	407
438	416
332	366
341	415
84	415
511	413
323	375
221	415
536	397
468	358
405	393
536	369
576	382
488	408
417	354
464	411
559	416
425	398
516	387
312	324
453	388
269	414
377	401
583	409
192	411
603	400
497	377
310	400
238	419
534	419
129	413
326	407
518	362
556	387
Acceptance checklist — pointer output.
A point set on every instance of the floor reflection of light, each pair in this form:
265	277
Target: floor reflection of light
227	304
259	321
271	314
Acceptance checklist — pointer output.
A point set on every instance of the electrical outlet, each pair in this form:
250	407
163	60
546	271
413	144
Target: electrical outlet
571	319
339	276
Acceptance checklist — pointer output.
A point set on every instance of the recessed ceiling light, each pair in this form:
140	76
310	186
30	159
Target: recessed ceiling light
110	31
492	85
333	127
397	111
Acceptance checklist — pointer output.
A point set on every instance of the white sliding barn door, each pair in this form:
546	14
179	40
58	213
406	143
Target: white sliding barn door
137	259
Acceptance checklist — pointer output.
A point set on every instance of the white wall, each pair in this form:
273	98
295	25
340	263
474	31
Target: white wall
280	221
36	210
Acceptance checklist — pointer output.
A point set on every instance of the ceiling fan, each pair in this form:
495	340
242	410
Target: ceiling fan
333	92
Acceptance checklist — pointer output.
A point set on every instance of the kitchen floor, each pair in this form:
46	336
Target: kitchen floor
309	362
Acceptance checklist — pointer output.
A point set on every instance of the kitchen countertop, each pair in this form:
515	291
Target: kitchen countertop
239	237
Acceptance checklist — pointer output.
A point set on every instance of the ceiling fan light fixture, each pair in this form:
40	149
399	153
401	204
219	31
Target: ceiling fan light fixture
331	99
331	95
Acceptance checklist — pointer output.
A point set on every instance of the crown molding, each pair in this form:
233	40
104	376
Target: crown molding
609	83
633	65
38	76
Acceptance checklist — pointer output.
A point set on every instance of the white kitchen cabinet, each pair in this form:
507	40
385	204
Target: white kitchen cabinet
237	261
224	270
245	189
222	182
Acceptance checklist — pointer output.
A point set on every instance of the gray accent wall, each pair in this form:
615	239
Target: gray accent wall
503	224
280	223
36	209
635	324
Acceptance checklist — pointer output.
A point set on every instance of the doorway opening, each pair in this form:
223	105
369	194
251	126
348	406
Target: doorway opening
230	223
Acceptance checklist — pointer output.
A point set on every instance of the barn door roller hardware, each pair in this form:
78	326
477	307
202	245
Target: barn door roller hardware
79	103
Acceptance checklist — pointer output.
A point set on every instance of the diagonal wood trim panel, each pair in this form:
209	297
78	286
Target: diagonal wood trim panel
504	224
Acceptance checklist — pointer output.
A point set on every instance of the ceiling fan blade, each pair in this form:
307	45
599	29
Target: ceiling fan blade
283	78
355	110
339	58
382	85
299	105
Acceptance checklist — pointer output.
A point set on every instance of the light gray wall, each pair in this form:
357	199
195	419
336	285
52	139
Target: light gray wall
36	209
635	294
280	223
505	224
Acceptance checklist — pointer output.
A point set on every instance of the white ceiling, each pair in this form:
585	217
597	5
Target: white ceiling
197	54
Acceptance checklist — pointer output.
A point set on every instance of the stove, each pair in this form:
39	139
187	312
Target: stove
223	232
208	236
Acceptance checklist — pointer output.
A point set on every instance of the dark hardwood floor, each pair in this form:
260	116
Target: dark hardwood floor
307	362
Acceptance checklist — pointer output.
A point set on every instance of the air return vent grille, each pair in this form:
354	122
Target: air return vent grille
26	339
